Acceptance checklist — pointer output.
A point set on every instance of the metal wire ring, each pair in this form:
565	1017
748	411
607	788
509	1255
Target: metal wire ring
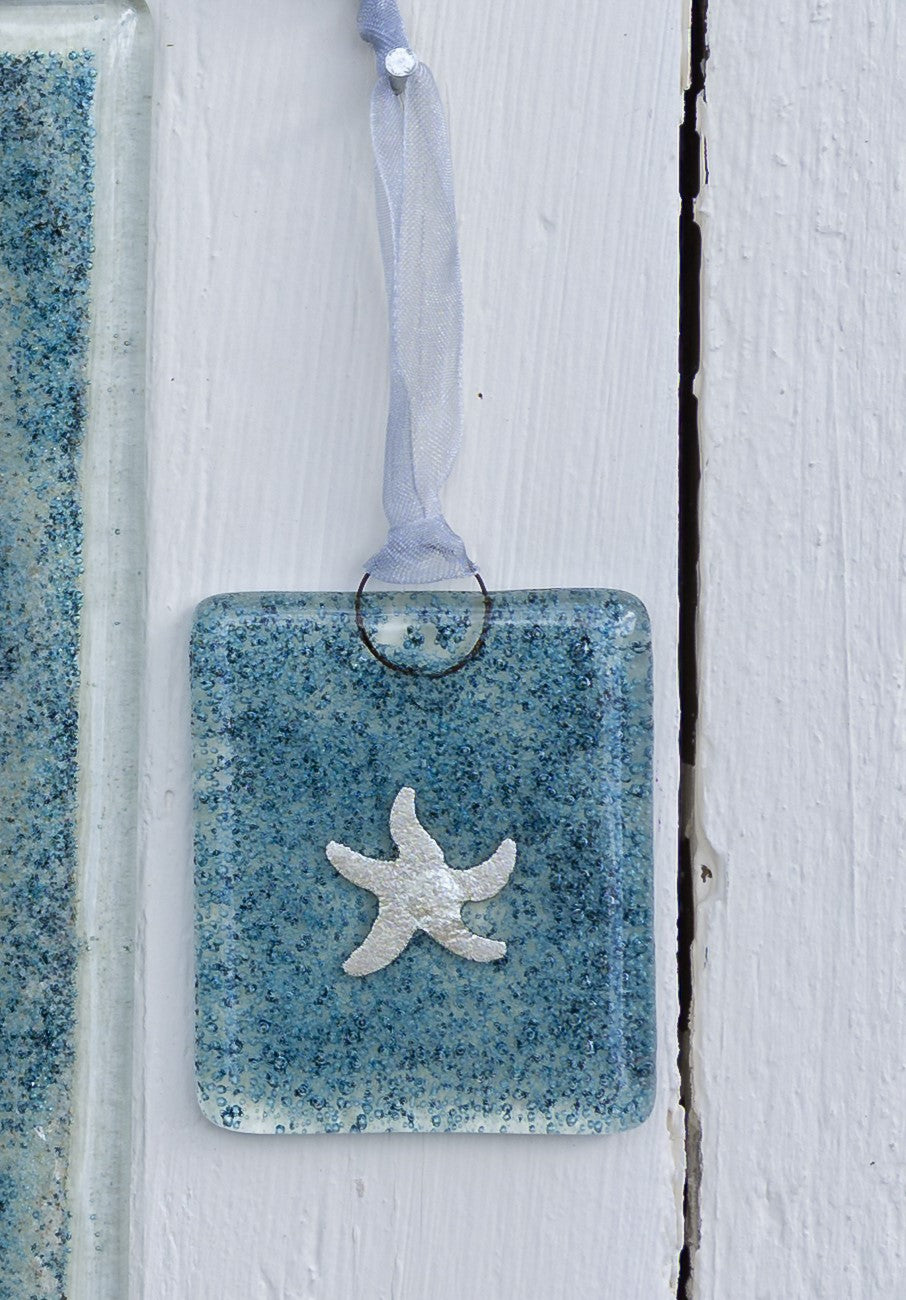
418	672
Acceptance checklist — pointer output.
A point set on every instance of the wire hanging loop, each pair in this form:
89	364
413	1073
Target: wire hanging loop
407	669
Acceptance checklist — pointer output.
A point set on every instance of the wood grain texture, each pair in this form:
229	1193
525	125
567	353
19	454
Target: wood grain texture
800	1036
268	394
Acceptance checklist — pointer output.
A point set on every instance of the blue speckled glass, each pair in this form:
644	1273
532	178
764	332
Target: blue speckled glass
302	737
46	211
74	105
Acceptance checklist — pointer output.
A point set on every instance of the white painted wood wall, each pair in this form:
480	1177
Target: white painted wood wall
801	956
267	392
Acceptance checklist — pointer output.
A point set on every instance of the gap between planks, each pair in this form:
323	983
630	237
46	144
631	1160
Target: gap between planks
690	264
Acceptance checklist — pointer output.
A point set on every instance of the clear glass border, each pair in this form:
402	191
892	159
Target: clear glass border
119	36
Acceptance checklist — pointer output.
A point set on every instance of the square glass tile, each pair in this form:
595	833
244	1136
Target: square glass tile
534	757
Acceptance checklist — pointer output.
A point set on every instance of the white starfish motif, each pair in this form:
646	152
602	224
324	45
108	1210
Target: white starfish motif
418	891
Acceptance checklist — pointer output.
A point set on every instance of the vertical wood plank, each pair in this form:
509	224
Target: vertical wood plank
799	1034
267	410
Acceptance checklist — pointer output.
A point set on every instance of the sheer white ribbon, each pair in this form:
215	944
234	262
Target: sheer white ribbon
417	219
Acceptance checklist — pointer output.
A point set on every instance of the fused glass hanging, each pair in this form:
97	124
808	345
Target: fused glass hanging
423	819
75	98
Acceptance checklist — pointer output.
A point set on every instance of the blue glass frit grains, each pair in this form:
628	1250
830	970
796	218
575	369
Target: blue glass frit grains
46	171
303	739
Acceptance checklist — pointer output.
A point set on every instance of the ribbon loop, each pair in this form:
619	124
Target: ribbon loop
381	25
417	220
